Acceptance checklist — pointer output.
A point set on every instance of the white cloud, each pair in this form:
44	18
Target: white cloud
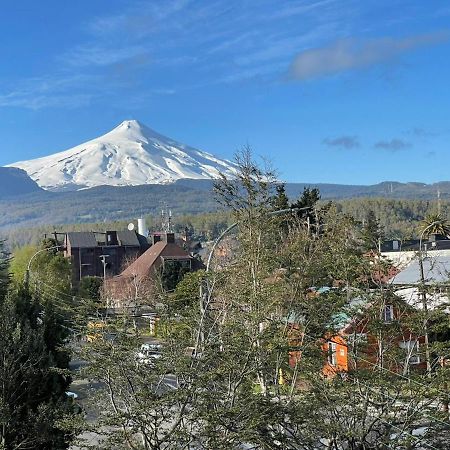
350	54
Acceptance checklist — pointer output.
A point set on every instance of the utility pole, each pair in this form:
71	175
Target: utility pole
103	259
423	294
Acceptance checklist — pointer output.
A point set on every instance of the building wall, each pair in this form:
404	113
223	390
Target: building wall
90	263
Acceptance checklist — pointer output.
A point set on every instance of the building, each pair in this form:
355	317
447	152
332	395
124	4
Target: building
408	286
434	242
135	284
102	254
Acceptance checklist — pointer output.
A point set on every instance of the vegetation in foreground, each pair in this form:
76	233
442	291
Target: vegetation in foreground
242	359
35	411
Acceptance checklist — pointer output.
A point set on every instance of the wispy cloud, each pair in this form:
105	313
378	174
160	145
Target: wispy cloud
104	56
393	145
350	54
160	47
298	8
35	102
46	92
346	142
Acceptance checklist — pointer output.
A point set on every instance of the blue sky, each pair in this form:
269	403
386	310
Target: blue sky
342	91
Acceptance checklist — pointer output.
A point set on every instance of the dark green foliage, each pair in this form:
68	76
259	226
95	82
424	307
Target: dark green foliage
308	199
90	288
280	200
32	374
307	206
371	232
187	291
4	270
172	273
399	219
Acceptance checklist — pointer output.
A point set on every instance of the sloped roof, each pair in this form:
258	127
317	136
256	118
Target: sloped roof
436	270
81	239
128	238
434	299
143	266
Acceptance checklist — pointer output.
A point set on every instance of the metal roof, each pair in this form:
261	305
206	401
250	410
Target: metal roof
81	239
128	238
436	270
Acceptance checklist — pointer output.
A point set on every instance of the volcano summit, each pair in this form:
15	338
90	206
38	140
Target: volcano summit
129	155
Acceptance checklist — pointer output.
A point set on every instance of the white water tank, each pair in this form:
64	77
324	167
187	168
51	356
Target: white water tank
142	227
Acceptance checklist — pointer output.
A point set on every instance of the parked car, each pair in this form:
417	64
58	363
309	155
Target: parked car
148	354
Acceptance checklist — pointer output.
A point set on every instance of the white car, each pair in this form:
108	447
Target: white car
72	395
148	354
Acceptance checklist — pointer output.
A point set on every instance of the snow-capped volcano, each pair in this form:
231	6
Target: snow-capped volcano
130	154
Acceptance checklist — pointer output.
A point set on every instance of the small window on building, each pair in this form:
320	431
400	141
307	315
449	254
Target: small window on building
332	360
412	351
388	315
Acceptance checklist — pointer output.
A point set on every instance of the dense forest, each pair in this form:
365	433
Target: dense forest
108	203
398	219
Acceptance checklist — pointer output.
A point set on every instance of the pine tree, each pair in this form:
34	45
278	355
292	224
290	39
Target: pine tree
32	388
307	208
371	233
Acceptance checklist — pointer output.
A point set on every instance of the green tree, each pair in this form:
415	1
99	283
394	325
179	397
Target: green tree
308	205
371	232
33	380
246	356
280	200
435	224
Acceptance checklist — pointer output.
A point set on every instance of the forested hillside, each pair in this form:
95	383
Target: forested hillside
398	218
108	203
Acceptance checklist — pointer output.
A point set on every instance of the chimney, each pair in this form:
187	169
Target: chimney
156	237
142	227
111	238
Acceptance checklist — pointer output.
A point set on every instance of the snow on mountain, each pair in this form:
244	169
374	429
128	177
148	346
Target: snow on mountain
131	154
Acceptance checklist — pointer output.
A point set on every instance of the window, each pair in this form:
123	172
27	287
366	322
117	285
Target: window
412	351
332	353
388	315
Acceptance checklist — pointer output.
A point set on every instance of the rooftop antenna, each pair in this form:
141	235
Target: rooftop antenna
166	220
439	201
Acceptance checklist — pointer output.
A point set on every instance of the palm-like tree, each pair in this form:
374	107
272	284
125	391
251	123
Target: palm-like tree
435	224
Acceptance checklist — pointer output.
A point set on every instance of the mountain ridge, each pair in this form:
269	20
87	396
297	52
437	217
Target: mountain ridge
131	154
15	182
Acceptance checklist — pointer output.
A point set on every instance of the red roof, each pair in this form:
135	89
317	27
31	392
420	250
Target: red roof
151	259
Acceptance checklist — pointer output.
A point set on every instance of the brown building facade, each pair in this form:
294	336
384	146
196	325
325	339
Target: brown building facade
98	254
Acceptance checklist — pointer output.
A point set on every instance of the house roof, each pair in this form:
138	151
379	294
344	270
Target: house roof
81	239
435	299
436	270
128	238
143	266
